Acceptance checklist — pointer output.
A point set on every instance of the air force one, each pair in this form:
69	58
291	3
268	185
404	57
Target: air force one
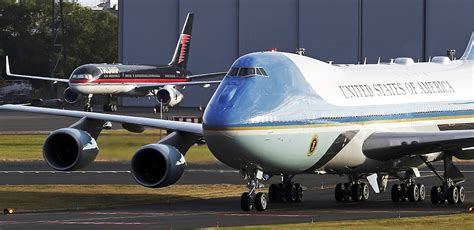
160	82
282	114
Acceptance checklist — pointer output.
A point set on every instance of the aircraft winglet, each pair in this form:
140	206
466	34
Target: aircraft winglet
7	66
469	53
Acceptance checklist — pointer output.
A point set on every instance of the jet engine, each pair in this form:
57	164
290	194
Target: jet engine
69	149
70	96
157	165
169	96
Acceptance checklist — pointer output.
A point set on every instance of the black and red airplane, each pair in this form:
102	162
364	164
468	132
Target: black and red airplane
162	82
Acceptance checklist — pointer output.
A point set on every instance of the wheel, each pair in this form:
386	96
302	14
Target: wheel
290	193
114	108
299	193
453	195
356	192
281	192
422	190
246	202
261	201
413	193
396	190
365	191
339	192
273	193
435	195
462	195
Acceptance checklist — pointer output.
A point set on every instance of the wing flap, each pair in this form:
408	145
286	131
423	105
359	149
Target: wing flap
146	87
394	145
128	120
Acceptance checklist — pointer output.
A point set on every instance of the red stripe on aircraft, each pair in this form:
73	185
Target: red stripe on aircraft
132	80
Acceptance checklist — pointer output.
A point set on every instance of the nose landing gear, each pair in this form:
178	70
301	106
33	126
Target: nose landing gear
252	198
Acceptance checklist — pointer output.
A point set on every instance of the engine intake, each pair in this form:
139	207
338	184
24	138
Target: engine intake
69	149
169	95
157	165
70	96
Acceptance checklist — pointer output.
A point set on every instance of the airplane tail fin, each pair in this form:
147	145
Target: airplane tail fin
469	53
181	53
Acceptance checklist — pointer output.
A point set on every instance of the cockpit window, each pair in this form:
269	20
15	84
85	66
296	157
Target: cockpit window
246	72
86	72
233	72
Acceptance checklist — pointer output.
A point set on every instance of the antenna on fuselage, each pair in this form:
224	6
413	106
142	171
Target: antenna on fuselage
429	59
378	61
365	60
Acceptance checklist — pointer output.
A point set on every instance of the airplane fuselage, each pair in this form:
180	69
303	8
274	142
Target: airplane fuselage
116	79
304	115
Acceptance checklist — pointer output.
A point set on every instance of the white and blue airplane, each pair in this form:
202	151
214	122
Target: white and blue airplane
282	114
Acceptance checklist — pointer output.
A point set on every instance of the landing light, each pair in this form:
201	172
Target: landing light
8	211
471	209
274	50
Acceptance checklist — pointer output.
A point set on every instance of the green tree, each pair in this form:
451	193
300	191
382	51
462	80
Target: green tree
25	36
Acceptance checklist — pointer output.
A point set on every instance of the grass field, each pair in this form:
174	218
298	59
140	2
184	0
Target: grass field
114	145
25	198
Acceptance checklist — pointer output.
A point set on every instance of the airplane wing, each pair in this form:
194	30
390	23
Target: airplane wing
207	75
159	85
193	128
394	145
7	67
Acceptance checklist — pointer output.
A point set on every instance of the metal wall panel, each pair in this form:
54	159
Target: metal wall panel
214	44
266	24
149	30
343	31
449	25
329	29
391	29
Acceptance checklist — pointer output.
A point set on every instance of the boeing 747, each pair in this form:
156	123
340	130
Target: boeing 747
282	114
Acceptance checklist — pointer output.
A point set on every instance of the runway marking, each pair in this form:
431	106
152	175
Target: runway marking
100	223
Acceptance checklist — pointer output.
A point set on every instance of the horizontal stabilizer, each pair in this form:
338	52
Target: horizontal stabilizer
469	53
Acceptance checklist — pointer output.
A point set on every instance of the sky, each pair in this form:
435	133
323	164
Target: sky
89	2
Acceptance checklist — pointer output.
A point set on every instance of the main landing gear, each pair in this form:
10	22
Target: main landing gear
408	190
449	191
354	190
111	105
287	191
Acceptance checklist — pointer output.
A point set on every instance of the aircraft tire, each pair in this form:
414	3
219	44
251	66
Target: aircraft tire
299	193
453	195
413	193
246	202
435	195
261	201
290	193
462	194
395	193
422	189
365	191
339	193
273	193
356	192
281	192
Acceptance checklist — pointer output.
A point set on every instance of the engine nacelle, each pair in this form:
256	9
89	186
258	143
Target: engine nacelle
157	165
69	149
169	96
70	96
